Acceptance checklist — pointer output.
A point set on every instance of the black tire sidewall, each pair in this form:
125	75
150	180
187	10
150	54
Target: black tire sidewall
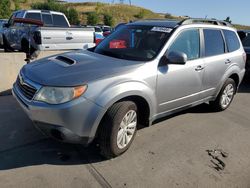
229	81
116	125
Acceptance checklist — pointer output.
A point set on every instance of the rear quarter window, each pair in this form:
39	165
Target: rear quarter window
59	21
232	40
214	42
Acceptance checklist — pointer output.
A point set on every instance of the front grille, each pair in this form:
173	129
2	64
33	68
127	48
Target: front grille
27	90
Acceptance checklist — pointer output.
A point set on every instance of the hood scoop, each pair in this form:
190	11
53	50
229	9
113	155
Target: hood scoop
64	61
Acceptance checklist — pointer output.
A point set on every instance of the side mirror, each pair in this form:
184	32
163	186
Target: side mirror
176	57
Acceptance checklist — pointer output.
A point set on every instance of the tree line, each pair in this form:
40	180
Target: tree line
93	18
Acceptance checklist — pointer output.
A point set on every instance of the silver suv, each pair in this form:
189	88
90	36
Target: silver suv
141	72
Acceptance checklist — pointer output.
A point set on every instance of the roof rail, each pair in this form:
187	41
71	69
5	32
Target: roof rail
202	20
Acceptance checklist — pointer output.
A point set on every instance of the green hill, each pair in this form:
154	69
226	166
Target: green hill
119	12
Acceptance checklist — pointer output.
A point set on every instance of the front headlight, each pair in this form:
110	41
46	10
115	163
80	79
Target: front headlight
59	95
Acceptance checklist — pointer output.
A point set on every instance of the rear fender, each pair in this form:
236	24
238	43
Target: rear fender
234	69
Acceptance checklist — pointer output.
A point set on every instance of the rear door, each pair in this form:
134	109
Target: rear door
216	59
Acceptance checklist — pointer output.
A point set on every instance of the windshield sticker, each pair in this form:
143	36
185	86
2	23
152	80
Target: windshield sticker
162	29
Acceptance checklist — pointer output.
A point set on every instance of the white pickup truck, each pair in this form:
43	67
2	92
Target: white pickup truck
54	34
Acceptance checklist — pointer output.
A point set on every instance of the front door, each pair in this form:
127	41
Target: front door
180	85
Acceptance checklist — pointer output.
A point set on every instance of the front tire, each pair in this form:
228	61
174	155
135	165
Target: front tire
225	97
118	129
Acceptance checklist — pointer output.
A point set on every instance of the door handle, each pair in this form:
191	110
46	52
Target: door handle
228	61
199	68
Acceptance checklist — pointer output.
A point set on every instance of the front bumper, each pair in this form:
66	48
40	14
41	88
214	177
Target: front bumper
72	122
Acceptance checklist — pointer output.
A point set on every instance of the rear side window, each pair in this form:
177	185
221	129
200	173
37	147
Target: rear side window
47	19
214	42
59	21
35	16
232	40
189	43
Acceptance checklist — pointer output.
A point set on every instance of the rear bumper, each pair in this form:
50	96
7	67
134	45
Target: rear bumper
73	122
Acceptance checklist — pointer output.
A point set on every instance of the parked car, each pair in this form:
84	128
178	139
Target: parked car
106	33
98	30
56	34
245	37
2	22
105	27
98	38
142	72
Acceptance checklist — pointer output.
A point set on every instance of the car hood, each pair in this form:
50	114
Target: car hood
76	68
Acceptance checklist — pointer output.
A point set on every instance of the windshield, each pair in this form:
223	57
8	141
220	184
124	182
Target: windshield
246	41
139	43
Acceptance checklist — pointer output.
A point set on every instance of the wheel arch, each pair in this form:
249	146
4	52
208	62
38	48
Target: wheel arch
234	73
142	104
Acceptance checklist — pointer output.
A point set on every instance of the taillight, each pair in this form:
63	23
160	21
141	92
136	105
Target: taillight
37	37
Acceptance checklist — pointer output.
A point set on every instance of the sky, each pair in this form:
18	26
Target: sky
239	11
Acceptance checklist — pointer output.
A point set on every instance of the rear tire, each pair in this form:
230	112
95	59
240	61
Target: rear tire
118	129
225	97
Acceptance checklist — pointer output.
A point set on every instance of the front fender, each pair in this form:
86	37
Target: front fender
126	89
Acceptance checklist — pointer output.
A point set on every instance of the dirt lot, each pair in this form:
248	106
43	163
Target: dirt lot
172	153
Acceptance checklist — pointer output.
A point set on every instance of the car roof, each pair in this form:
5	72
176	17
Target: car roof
40	11
157	23
176	23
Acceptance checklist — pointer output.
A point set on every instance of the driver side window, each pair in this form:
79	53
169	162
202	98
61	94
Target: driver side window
187	42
